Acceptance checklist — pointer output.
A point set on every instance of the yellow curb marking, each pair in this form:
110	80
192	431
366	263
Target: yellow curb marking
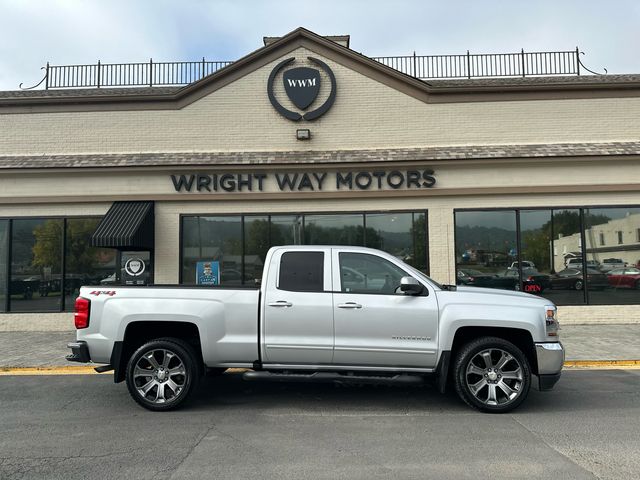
601	363
74	370
70	370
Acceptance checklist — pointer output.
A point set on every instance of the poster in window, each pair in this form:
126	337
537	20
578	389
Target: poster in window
208	273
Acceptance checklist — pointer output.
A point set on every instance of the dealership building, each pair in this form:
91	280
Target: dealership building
306	141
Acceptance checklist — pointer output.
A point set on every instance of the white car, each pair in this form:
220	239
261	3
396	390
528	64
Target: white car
577	263
525	264
609	264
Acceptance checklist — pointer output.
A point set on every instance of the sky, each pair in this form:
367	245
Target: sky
64	32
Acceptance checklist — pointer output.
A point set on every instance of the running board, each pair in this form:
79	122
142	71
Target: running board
328	377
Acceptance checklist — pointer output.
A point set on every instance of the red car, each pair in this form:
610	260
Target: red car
628	277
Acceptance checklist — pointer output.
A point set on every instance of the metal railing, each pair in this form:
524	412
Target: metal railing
147	74
424	67
481	65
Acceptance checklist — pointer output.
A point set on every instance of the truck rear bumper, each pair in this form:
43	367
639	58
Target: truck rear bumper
79	352
550	358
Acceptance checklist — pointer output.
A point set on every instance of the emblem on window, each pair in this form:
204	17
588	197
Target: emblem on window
302	86
134	267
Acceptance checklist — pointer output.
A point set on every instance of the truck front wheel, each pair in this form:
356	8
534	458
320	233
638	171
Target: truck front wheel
492	375
162	374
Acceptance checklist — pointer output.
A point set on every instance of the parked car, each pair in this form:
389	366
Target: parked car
533	281
473	278
628	277
577	263
573	263
572	278
609	264
525	264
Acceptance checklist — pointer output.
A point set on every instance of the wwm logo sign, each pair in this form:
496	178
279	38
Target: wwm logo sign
307	82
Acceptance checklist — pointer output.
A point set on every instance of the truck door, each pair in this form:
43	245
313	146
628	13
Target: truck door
297	321
375	323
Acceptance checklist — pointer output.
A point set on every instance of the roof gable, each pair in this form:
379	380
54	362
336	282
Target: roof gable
179	97
167	98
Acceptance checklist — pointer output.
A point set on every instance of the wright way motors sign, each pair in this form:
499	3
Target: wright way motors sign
304	182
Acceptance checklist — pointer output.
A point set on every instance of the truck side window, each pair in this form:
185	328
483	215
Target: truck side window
364	273
302	272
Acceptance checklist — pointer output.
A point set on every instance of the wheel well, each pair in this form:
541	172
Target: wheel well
520	338
138	333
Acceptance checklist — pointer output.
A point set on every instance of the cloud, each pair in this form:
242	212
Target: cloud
74	32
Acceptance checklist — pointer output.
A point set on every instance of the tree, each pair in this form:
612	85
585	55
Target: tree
47	249
81	257
536	248
257	238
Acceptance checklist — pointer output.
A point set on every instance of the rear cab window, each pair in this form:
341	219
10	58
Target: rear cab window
301	271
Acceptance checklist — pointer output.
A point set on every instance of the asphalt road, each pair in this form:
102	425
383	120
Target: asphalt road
85	427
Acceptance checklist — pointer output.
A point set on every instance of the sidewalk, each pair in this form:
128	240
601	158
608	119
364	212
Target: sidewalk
582	342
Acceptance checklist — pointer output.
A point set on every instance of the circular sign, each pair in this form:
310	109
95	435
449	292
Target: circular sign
134	267
302	86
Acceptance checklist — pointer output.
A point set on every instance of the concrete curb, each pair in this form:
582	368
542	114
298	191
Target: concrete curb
89	370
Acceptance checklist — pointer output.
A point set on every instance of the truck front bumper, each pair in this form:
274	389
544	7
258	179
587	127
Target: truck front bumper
550	358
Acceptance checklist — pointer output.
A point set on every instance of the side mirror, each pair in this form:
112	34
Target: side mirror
411	286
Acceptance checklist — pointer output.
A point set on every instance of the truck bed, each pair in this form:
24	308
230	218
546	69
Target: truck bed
226	317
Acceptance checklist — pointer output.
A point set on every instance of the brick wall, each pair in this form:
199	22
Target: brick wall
366	114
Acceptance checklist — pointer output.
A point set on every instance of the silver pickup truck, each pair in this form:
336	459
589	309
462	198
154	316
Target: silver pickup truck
324	314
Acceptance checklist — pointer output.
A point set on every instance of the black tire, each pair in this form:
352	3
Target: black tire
637	284
578	285
184	380
465	376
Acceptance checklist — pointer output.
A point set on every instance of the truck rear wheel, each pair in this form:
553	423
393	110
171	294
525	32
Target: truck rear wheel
492	375
162	374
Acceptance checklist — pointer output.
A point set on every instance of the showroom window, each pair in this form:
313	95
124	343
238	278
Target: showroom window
84	264
4	263
557	253
232	248
44	261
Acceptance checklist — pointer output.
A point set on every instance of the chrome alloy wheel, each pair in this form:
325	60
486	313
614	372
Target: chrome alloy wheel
159	376
494	377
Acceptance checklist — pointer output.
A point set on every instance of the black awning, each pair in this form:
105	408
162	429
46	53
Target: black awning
127	225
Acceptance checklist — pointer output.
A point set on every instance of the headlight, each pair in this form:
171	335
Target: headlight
551	322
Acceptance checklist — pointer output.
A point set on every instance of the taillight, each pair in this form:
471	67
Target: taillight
81	313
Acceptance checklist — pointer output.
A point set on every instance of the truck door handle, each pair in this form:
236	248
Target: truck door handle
281	303
349	305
